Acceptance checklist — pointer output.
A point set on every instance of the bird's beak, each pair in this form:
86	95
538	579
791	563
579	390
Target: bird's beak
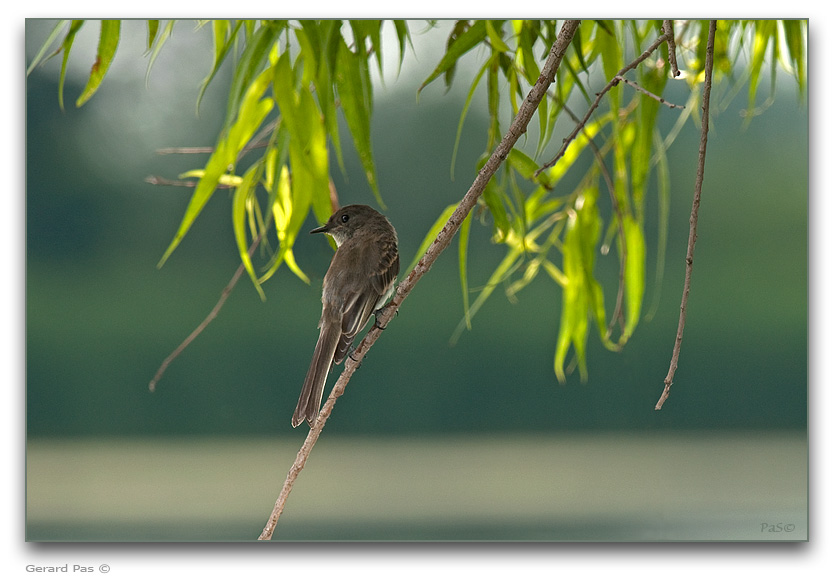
319	230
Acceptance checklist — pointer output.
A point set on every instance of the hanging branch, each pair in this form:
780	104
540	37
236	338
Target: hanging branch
611	84
440	243
258	140
693	217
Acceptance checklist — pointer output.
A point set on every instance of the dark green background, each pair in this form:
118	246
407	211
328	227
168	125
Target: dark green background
100	317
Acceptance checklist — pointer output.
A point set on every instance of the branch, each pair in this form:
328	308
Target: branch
611	84
669	31
257	141
440	243
660	100
693	217
224	295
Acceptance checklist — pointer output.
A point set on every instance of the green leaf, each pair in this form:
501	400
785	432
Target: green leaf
463	44
223	42
576	42
635	276
315	40
465	110
493	198
403	37
653	81
522	163
354	86
242	199
251	64
432	234
370	29
107	45
66	46
795	40
553	175
493	106
463	246
582	295
525	55
56	32
282	211
765	32
308	153
153	28
166	34
509	263
253	111
495	33
663	197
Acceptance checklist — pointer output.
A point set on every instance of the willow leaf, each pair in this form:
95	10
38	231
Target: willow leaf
223	41
509	263
241	201
635	275
432	234
663	197
56	32
157	47
403	37
356	99
465	110
153	28
463	246
258	46
495	34
107	44
66	46
252	113
764	34
463	44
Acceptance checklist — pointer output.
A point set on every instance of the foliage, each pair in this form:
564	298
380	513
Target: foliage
291	77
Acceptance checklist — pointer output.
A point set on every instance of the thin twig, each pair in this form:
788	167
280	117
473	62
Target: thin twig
611	84
157	180
183	150
669	30
196	332
660	100
224	295
258	141
693	217
440	243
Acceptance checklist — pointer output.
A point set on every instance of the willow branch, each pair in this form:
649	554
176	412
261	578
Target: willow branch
693	216
440	243
224	295
257	141
637	87
669	30
611	84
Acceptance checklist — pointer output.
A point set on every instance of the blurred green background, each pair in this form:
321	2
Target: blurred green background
431	441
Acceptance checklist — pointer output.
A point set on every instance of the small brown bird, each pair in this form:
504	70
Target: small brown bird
359	282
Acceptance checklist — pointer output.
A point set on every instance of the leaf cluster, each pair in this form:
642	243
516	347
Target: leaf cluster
291	78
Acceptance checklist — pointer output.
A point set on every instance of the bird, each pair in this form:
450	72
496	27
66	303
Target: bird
358	283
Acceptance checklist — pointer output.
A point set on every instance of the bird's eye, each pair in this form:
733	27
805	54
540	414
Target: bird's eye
345	218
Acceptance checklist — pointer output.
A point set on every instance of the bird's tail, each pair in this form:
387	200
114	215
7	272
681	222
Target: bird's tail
311	393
